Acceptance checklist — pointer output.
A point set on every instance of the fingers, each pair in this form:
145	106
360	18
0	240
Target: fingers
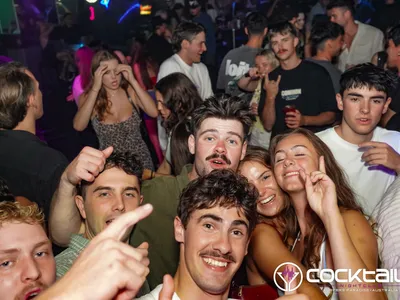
307	182
167	291
372	144
108	151
279	79
119	226
322	164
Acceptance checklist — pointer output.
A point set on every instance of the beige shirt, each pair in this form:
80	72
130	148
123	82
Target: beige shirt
367	41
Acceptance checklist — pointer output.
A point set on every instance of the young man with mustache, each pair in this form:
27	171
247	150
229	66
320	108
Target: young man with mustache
220	127
298	93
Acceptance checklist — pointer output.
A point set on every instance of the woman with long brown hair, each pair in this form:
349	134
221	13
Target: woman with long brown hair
327	222
270	245
112	102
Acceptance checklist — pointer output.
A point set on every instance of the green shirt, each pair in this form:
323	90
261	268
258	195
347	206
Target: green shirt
158	228
65	259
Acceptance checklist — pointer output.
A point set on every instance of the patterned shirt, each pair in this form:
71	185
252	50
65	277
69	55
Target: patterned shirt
65	259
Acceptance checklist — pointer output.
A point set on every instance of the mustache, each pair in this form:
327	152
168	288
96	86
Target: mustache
221	156
34	286
217	254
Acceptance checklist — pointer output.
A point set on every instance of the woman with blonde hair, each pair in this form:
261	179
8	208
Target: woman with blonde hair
112	102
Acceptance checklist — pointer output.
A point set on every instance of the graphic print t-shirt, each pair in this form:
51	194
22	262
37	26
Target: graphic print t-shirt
235	64
308	87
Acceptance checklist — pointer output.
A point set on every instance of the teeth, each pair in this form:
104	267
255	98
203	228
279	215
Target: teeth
291	173
217	162
215	263
269	199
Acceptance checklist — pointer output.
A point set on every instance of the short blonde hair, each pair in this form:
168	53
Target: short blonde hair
15	212
270	55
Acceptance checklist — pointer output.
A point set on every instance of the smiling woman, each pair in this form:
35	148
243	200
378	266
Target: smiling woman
334	232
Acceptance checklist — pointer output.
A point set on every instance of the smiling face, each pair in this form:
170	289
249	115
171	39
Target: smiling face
262	64
284	45
27	265
362	109
196	47
219	144
111	79
300	21
111	194
213	246
164	111
292	154
271	198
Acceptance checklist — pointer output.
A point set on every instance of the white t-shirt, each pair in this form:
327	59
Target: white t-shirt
367	41
197	73
154	294
368	182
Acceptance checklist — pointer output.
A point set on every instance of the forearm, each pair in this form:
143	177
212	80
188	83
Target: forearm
64	215
84	113
269	114
247	84
145	102
345	256
324	118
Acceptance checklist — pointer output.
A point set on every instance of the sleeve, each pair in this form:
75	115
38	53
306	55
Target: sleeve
221	76
378	42
326	92
167	67
208	92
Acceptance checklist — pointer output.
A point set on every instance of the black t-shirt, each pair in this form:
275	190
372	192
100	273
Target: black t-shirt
159	48
308	87
30	168
395	95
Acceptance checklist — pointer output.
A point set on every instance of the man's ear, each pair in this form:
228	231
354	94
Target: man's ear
246	31
185	44
192	144
296	41
386	106
339	101
179	230
141	199
31	101
247	247
81	206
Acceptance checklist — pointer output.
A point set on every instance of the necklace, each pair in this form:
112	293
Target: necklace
298	237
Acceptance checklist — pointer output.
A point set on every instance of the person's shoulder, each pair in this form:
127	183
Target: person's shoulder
314	67
391	137
369	29
325	134
169	62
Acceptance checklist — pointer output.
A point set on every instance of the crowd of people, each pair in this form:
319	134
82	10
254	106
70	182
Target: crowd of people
203	184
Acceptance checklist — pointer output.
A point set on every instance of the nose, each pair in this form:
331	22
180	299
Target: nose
159	106
31	272
220	147
288	162
222	244
364	107
113	75
331	18
119	204
204	48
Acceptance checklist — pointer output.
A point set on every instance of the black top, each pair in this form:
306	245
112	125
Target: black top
386	16
30	168
159	48
308	87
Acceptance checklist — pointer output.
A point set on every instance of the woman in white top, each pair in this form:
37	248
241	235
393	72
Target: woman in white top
325	212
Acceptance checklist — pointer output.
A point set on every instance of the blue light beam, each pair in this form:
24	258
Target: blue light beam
136	5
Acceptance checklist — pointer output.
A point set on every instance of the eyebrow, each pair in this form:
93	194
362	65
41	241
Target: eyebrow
13	250
359	95
220	220
294	147
107	188
216	131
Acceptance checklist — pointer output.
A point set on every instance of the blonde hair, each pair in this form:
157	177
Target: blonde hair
15	212
270	56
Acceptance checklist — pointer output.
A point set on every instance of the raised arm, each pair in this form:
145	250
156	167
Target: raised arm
64	215
269	111
268	252
142	99
88	100
249	81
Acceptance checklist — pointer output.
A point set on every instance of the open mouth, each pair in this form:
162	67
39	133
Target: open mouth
217	163
364	120
108	222
216	264
267	200
32	294
290	174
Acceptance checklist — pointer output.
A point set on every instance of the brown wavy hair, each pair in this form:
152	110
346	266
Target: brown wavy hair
345	197
263	157
103	104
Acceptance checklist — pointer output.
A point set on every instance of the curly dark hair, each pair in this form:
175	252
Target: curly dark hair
126	161
225	107
180	96
219	188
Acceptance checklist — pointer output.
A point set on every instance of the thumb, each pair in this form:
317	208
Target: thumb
278	80
167	291
107	152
